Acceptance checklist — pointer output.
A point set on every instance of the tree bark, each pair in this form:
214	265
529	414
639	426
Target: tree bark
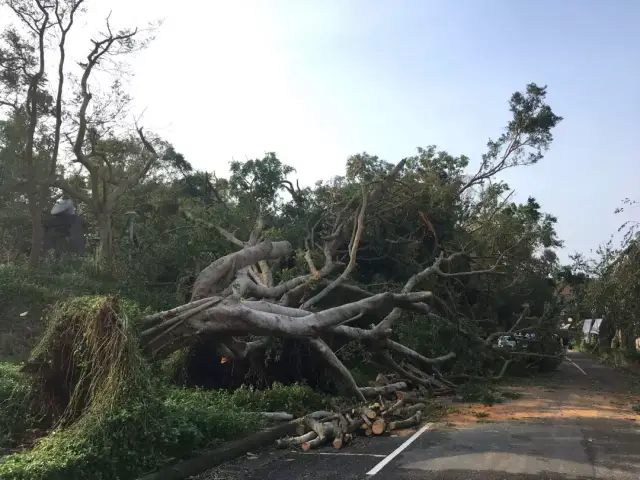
106	237
37	234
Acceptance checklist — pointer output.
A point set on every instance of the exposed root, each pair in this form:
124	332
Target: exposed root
87	360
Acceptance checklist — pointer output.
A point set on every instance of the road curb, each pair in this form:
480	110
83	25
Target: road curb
228	451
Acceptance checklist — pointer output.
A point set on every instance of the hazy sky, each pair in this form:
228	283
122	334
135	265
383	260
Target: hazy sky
318	81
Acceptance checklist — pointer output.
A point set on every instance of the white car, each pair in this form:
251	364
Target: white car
506	342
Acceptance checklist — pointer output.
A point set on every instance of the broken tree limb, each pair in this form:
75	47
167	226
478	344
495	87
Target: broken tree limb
409	422
353	250
336	365
221	273
383	390
410	397
393	408
325	431
296	441
398	347
279	416
410	410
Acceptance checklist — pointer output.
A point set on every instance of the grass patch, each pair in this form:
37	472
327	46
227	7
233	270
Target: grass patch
481	414
109	416
24	298
15	400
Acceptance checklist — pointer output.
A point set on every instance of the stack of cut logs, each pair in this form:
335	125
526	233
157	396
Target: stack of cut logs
393	408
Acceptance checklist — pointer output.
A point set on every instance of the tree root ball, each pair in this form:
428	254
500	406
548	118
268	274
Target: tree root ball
88	357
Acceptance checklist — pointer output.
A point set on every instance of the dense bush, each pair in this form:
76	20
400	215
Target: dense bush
147	433
15	402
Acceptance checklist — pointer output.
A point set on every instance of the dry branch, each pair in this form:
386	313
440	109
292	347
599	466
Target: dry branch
383	390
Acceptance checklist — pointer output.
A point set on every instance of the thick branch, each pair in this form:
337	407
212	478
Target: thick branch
334	362
353	250
220	274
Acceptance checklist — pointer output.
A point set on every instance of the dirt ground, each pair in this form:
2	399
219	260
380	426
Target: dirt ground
603	393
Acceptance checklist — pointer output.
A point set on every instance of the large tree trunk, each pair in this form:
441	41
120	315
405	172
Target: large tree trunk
37	234
105	252
606	333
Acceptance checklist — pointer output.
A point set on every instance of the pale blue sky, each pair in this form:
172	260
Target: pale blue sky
316	81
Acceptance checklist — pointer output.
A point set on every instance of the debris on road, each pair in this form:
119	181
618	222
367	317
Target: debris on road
393	407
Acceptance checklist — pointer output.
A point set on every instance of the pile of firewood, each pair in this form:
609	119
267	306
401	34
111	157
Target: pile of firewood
395	407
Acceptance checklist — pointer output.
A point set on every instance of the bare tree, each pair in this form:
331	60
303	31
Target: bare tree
108	179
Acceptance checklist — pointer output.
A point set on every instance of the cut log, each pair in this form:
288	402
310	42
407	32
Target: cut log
296	441
410	410
409	422
368	432
369	413
316	442
325	430
321	414
366	420
410	397
371	392
378	426
393	408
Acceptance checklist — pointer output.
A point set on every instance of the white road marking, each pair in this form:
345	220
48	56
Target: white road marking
398	450
348	454
576	365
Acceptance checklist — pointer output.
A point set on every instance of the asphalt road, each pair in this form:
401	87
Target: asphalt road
578	425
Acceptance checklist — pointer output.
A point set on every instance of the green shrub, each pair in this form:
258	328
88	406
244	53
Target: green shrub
141	436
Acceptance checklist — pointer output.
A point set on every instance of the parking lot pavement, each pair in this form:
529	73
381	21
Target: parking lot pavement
577	426
351	463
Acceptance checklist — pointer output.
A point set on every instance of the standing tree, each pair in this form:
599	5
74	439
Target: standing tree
91	122
25	91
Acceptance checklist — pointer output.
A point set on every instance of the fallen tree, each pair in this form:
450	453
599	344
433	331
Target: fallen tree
238	311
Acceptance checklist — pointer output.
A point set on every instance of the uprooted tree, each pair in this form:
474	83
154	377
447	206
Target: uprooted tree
238	309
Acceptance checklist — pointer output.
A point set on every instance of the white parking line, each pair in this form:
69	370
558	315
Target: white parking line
576	365
398	450
344	454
